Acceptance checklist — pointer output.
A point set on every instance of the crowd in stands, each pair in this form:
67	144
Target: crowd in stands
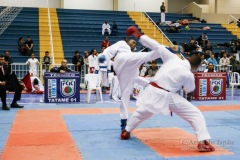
25	47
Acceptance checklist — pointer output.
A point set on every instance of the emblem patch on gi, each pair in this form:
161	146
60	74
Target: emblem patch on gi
68	87
203	87
216	86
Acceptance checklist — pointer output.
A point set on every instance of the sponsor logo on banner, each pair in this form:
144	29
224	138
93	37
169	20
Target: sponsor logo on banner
52	88
203	87
68	87
216	86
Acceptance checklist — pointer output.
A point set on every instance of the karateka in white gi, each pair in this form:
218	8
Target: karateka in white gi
33	64
93	62
160	95
106	27
126	65
104	69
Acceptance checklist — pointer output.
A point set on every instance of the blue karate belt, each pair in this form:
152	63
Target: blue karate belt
102	66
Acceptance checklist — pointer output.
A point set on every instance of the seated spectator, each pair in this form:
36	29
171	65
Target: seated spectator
9	82
207	54
114	29
152	70
192	46
212	60
21	46
208	47
29	46
224	62
235	64
106	29
46	61
63	68
210	68
203	64
204	39
142	70
77	60
105	43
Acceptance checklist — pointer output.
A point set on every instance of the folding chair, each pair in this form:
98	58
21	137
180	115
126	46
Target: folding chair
94	83
234	80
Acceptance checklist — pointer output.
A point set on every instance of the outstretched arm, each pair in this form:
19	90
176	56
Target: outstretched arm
159	50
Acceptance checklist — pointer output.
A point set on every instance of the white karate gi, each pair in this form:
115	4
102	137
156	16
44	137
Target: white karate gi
162	17
103	71
104	27
172	78
115	91
33	66
40	85
93	62
126	65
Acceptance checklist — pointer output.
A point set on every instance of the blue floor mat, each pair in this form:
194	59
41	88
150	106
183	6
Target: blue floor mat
106	145
90	122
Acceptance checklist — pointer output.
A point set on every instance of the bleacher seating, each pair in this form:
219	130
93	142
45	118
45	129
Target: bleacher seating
82	29
25	24
218	35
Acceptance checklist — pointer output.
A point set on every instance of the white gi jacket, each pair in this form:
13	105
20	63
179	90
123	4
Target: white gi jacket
173	74
33	66
93	61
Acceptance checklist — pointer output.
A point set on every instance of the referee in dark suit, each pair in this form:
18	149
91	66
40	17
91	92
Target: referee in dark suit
9	82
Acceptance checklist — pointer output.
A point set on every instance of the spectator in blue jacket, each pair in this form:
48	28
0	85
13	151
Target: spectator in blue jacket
212	60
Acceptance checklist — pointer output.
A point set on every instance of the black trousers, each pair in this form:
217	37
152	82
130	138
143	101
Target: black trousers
13	85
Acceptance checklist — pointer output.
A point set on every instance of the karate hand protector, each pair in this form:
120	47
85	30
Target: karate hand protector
101	58
133	31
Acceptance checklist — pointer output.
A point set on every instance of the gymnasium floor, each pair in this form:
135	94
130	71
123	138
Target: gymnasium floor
91	132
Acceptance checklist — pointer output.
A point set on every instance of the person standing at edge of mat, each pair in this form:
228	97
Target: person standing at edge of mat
160	96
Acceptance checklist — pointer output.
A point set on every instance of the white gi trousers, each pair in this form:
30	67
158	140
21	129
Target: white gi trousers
104	78
115	91
126	67
179	106
162	17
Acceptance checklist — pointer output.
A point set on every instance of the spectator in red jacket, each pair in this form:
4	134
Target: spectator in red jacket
105	42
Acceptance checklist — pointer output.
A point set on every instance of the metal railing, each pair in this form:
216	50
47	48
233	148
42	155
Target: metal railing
182	10
232	17
21	69
156	26
7	15
50	33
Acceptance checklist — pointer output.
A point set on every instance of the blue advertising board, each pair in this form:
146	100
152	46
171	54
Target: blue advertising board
61	88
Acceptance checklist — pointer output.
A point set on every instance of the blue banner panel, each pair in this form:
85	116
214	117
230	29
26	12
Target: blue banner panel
61	88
